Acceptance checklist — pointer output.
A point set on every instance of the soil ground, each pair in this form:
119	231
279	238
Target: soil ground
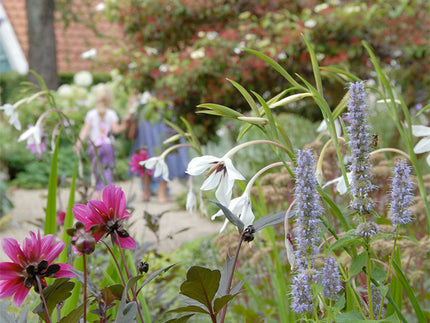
29	209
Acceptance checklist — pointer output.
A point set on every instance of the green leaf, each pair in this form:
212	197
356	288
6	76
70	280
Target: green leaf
181	319
51	206
201	285
57	292
230	216
68	220
225	275
348	239
153	275
276	66
315	67
268	113
190	308
127	312
396	289
247	96
219	109
74	315
91	287
6	317
357	264
220	302
408	290
270	219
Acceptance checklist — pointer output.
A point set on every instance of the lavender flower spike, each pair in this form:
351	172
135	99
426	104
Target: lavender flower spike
301	294
331	279
360	144
308	210
401	194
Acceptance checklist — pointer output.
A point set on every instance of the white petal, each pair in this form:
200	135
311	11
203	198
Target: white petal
428	159
422	146
420	131
198	165
216	215
14	121
247	215
322	127
150	163
224	191
231	170
338	127
26	134
164	170
211	182
191	204
224	226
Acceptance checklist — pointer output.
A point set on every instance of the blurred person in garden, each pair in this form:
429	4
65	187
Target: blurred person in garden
151	133
100	124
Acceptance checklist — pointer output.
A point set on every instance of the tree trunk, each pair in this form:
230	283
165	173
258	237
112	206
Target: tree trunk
41	36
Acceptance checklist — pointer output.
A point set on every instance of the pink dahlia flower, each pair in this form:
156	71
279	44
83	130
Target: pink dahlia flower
135	165
106	217
29	264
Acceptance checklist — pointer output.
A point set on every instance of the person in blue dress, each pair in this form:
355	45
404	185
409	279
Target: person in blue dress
150	136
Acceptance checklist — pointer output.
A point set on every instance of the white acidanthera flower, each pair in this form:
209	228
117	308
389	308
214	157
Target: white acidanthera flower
323	127
222	174
423	146
241	207
33	136
340	183
159	165
10	111
191	205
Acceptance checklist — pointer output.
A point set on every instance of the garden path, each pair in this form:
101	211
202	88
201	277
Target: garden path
29	209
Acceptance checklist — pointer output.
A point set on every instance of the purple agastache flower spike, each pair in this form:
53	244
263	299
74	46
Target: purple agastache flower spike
308	210
360	144
331	278
401	194
301	293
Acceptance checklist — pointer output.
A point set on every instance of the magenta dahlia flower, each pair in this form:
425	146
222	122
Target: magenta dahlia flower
31	263
135	165
105	217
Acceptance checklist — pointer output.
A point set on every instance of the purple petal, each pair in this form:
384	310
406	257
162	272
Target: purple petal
10	270
13	250
127	243
114	198
53	251
64	271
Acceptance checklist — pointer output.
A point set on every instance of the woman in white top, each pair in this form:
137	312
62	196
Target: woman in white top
100	123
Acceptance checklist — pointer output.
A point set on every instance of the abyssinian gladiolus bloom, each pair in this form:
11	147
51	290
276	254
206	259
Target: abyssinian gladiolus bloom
222	174
159	165
135	165
106	216
31	263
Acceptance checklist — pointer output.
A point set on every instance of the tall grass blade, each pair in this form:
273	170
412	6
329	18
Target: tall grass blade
51	206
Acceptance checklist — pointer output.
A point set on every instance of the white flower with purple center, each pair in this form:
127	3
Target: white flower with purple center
222	174
34	137
159	165
423	146
10	111
241	207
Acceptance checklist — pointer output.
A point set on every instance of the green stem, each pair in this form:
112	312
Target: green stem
390	264
230	279
133	290
369	289
84	258
42	298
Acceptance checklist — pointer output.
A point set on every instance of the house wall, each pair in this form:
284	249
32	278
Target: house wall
72	41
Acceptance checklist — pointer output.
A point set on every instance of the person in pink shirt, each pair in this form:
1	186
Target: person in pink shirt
100	125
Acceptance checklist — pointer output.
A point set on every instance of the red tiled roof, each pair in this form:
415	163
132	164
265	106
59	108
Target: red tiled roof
72	42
